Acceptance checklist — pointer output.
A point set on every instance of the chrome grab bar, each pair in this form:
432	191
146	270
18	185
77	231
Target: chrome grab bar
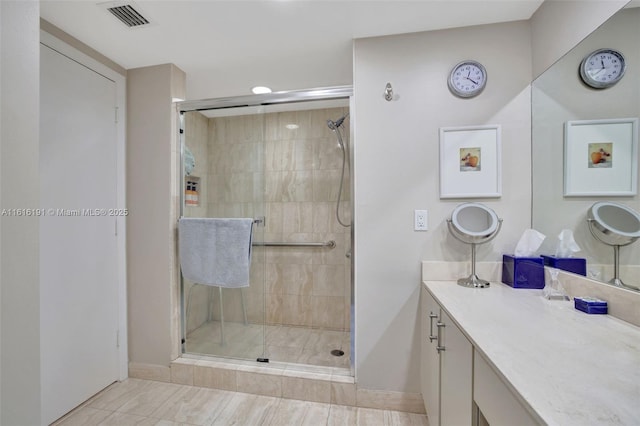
330	244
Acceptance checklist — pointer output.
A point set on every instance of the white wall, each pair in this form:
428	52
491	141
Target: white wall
396	171
152	200
19	246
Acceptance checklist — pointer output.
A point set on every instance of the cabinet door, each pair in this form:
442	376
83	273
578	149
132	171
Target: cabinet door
456	374
430	361
496	402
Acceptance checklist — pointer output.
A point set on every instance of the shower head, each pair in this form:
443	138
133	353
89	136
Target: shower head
333	125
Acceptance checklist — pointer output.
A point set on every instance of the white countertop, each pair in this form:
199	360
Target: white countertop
569	367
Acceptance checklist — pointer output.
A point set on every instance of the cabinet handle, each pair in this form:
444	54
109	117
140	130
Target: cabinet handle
431	317
439	346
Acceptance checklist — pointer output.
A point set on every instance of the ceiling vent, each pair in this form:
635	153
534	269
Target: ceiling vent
127	14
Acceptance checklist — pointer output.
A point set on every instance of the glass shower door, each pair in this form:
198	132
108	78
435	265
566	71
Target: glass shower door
285	163
226	181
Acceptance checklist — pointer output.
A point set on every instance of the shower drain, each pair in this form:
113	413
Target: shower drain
337	352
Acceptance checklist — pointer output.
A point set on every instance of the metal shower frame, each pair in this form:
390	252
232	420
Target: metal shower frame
274	98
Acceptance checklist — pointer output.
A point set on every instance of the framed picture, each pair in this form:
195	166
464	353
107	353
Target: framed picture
470	165
601	157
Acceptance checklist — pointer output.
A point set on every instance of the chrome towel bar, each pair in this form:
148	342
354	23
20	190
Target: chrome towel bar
330	244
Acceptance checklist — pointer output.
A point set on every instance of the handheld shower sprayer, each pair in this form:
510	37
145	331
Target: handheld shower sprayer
334	125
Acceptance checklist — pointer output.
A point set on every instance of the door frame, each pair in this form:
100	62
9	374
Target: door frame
121	223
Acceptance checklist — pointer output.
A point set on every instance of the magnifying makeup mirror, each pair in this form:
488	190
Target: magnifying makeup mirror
474	223
615	225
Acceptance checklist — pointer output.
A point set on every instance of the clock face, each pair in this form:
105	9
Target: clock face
467	79
602	68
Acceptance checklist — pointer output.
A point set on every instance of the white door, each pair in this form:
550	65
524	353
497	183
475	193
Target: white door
78	252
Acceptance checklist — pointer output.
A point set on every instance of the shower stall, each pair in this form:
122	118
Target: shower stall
284	160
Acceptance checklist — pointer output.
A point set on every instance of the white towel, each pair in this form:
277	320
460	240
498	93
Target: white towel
215	252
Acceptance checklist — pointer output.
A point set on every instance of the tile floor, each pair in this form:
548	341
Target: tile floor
144	402
281	343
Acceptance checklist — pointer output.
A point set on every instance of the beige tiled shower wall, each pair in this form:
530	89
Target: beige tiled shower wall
257	166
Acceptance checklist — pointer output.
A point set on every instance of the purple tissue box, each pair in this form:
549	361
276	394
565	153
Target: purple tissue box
590	305
576	265
523	272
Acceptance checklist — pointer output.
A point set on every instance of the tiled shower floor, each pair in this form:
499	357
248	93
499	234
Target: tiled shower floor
282	343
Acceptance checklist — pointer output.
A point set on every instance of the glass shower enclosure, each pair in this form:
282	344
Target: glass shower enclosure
282	159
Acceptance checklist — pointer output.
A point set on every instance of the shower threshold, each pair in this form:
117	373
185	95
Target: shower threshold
276	379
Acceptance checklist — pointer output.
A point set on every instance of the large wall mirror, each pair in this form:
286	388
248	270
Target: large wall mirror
560	96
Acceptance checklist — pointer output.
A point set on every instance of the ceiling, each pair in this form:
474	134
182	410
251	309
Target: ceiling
227	47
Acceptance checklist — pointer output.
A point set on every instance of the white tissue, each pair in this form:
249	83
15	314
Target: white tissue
529	242
567	245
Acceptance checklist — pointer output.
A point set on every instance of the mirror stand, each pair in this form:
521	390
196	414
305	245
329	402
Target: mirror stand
616	281
616	268
473	280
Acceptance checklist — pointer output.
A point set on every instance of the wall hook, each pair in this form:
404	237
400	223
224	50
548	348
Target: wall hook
388	92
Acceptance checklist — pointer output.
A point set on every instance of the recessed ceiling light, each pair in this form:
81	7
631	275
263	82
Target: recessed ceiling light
258	90
291	126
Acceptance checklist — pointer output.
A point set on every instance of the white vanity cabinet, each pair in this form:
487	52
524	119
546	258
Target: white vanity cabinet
533	362
446	367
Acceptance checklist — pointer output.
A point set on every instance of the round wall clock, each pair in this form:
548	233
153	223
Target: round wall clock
467	79
602	68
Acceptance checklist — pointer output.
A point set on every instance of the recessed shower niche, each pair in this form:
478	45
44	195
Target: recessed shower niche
286	165
191	191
